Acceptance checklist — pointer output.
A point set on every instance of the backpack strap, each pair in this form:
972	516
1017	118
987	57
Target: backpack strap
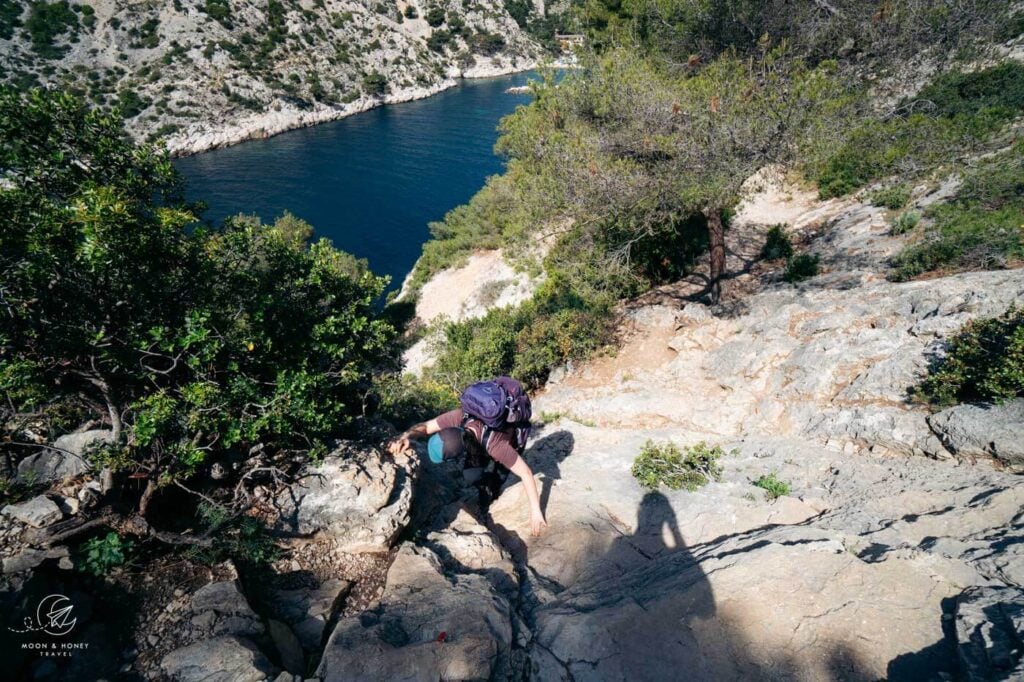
485	435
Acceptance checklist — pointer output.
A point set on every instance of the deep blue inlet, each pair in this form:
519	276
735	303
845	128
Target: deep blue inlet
371	182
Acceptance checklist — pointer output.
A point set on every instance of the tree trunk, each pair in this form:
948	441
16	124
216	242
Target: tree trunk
716	243
147	495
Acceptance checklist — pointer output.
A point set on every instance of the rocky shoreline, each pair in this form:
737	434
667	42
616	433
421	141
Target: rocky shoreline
284	116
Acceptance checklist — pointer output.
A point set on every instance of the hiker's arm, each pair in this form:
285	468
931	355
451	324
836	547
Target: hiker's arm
403	442
521	469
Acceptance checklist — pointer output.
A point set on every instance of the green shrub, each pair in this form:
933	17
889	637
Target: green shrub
10	19
774	486
410	12
984	362
438	39
407	400
219	10
905	222
893	197
46	22
526	342
375	84
191	341
666	464
99	555
801	267
487	43
777	244
955	93
435	16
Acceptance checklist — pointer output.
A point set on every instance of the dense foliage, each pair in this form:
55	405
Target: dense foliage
983	363
191	343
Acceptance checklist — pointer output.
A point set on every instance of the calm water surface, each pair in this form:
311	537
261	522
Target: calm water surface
371	182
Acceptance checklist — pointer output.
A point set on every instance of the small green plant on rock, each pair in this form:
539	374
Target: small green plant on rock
104	553
905	222
667	464
773	485
777	245
801	267
893	197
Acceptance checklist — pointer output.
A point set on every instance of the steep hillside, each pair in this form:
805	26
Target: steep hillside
850	536
205	73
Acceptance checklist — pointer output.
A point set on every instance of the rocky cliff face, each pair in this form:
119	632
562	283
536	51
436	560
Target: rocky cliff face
206	73
894	555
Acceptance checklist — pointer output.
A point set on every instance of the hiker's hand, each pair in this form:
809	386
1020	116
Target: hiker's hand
400	445
537	524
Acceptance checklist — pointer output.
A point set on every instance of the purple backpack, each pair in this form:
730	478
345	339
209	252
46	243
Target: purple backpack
501	405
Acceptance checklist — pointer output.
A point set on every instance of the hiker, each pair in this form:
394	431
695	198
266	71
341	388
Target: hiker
489	430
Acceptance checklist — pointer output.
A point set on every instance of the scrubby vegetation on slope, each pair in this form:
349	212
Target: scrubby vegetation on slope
192	343
629	169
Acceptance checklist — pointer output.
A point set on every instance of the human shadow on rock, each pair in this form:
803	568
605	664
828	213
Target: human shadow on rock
545	457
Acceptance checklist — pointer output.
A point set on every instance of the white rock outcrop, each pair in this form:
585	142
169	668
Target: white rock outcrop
360	498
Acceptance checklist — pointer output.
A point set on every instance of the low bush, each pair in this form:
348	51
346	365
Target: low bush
406	400
984	362
800	267
10	19
893	197
219	10
46	23
905	222
667	464
774	486
777	245
435	16
375	84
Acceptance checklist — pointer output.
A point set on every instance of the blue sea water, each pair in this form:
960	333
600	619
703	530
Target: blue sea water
371	182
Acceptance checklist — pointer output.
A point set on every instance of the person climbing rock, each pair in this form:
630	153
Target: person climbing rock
489	431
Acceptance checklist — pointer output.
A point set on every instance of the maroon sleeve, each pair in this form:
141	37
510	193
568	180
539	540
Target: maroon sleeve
500	449
450	420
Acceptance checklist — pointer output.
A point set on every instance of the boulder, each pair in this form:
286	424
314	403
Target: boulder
30	558
990	633
224	598
308	611
289	649
428	626
80	442
984	431
38	512
358	497
465	546
220	659
51	465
